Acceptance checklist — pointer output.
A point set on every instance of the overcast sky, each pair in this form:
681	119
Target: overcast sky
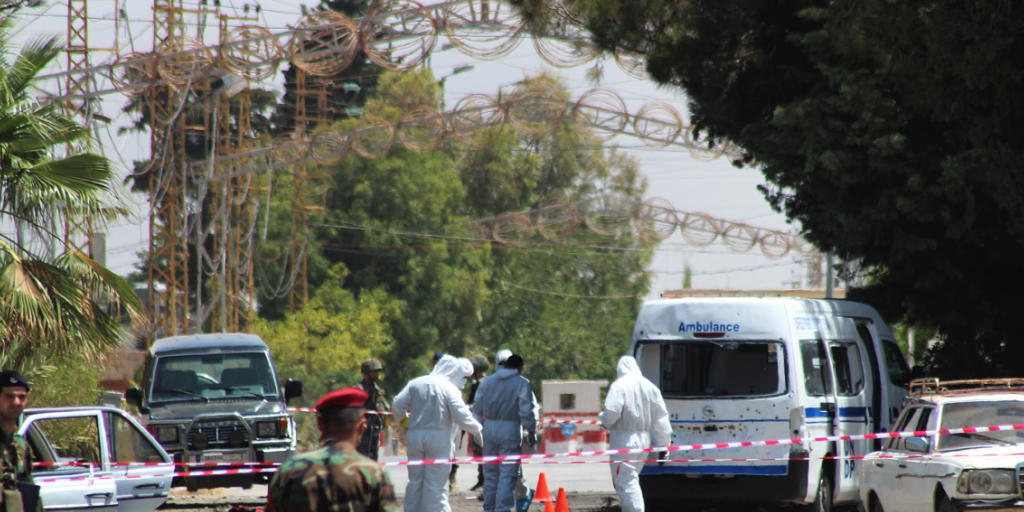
713	187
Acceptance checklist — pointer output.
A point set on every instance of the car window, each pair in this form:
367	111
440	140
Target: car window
848	367
817	377
74	439
981	414
910	416
722	368
127	442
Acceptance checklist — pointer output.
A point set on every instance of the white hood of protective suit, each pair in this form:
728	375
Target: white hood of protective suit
464	368
634	406
627	366
433	402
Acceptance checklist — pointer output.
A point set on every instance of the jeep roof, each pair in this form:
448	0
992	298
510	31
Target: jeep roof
213	343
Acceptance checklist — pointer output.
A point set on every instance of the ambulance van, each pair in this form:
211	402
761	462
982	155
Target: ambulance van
759	369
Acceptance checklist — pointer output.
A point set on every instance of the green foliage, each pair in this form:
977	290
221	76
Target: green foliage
889	130
323	343
400	224
63	381
50	305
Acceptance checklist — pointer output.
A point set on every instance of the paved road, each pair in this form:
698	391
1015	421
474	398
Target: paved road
588	487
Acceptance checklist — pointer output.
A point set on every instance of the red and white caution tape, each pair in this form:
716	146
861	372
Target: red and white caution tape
578	422
214	468
310	409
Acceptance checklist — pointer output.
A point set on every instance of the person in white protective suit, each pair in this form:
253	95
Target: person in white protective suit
435	409
458	378
635	415
504	404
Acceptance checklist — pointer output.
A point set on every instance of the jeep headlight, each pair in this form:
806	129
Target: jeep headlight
986	481
267	428
167	434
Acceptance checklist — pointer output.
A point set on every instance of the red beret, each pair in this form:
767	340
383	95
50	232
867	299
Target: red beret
344	397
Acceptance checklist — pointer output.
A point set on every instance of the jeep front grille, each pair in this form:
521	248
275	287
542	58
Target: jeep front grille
219	433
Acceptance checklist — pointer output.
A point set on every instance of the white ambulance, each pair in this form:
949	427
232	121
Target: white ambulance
755	369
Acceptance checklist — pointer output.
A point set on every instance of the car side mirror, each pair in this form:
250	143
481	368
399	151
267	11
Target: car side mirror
134	397
917	444
292	389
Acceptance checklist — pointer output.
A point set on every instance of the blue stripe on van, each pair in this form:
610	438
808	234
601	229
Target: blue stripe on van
653	469
844	412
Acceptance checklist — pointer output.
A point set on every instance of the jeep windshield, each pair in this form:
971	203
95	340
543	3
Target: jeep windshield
213	377
721	368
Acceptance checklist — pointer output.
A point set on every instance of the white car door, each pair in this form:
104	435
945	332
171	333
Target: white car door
69	454
142	470
881	473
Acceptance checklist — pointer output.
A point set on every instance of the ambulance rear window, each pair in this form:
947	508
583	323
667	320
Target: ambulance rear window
721	369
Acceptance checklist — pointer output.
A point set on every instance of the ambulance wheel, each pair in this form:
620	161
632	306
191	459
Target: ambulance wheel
823	498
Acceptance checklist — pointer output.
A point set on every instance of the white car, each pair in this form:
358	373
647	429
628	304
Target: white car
95	459
955	472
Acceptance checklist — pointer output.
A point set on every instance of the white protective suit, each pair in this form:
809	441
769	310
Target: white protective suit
635	415
504	404
435	410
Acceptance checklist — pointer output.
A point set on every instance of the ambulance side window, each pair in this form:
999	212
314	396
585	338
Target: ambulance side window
849	368
817	376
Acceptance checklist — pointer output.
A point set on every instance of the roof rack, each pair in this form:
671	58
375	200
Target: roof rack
933	386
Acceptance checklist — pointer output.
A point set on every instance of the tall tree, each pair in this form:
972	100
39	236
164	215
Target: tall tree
401	223
53	304
887	129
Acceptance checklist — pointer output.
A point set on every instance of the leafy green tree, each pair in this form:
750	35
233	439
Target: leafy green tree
400	223
324	342
567	305
52	305
887	129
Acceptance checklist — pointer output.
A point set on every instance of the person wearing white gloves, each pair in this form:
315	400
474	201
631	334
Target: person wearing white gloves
635	415
504	404
435	409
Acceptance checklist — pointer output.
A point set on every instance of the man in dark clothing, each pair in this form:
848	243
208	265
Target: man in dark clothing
376	405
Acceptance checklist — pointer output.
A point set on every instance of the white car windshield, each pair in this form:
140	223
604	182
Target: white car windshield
981	414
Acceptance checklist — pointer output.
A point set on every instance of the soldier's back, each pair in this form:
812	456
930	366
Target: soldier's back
333	478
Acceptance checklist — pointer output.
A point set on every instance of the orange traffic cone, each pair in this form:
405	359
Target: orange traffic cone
562	502
549	506
541	493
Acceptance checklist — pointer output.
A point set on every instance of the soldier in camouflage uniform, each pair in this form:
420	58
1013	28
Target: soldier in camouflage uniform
19	493
376	400
335	477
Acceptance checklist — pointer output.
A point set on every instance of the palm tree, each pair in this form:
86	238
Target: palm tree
50	303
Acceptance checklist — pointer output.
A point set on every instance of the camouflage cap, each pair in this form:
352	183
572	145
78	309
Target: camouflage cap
480	363
370	365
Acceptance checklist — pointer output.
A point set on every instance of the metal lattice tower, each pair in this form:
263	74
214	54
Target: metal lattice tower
168	308
78	229
301	205
233	287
